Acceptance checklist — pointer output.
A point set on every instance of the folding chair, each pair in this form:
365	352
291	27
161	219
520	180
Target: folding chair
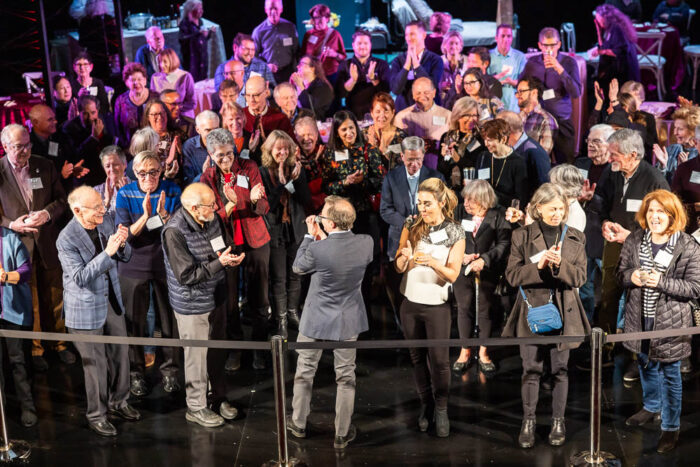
650	58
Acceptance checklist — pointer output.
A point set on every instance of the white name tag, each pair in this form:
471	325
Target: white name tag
536	258
474	145
695	177
696	235
396	148
242	181
36	183
290	187
341	155
468	225
584	173
92	90
439	236
313	39
154	223
484	174
548	94
663	258
633	205
53	148
163	145
287	41
255	73
448	157
245	154
439	121
218	243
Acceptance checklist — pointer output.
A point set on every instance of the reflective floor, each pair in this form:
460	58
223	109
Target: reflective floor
485	417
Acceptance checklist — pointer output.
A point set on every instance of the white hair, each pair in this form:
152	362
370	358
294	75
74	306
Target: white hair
8	130
207	116
76	197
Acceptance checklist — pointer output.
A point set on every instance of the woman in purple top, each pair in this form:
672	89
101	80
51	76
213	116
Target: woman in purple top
171	76
128	108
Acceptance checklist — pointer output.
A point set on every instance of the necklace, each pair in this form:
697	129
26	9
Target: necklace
505	161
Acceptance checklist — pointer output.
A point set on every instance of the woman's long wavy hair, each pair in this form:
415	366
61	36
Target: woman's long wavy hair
614	17
442	194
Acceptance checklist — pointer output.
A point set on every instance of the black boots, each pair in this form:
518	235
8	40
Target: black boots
527	433
558	434
293	318
442	423
667	442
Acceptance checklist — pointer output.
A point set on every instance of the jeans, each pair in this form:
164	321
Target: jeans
662	390
587	292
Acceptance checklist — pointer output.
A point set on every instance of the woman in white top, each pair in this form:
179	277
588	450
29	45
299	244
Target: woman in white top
171	76
430	254
570	179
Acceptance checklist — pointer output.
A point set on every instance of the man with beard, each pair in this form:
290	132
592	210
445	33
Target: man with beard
244	52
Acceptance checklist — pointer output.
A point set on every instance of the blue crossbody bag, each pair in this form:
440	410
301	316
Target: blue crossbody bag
545	318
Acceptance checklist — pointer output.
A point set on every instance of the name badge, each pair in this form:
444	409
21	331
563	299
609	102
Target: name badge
245	154
396	148
36	183
287	41
439	121
163	145
536	258
695	177
218	243
242	181
154	222
439	236
548	94
696	235
633	205
290	187
584	173
474	145
484	174
255	73
468	225
341	155
313	39
448	157
663	258
53	148
92	90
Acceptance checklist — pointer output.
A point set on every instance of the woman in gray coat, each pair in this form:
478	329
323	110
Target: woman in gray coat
547	262
660	269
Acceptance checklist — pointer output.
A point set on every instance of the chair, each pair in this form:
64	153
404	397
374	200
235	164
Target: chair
650	57
685	40
568	37
693	53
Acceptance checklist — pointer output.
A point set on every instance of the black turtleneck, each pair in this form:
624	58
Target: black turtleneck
551	233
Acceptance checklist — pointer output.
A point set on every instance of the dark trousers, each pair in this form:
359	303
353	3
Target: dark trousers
256	270
564	148
106	368
611	288
465	292
533	362
233	313
136	294
431	366
47	302
17	351
367	222
285	284
393	288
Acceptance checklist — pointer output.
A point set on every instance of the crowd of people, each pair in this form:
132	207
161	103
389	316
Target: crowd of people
449	182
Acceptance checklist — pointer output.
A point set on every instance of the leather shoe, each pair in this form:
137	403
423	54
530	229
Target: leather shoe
227	411
126	412
29	418
526	439
461	367
424	417
643	417
667	442
66	356
487	368
103	428
40	364
442	423
558	434
170	384
340	442
293	318
233	362
204	417
138	387
295	430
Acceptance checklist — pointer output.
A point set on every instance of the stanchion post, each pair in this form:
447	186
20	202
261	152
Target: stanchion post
10	450
594	456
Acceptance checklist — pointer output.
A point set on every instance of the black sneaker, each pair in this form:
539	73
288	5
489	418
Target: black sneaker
632	372
341	442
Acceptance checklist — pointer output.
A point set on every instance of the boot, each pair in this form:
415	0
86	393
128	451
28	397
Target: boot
527	433
293	318
667	442
424	416
558	434
282	325
442	423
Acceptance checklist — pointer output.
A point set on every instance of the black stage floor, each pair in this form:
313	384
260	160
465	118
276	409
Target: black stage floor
485	417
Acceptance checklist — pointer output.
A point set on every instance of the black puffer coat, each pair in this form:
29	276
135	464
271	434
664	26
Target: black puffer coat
679	284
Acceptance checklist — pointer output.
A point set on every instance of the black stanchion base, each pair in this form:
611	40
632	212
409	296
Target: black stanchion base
292	463
585	458
17	450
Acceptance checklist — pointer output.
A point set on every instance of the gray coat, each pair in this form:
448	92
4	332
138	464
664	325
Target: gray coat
334	309
522	272
679	284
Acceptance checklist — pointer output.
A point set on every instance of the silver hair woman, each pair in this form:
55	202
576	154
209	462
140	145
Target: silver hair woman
570	180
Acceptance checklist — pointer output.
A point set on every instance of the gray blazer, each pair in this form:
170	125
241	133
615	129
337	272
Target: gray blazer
85	288
334	309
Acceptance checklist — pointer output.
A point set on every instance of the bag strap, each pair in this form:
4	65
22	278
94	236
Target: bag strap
522	292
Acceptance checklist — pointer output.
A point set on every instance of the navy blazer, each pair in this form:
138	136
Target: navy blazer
85	287
395	206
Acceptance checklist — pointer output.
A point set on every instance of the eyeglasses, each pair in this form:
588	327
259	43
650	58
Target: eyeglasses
210	206
247	49
470	83
319	218
158	115
550	45
254	96
221	155
82	64
226	73
595	142
150	173
471	115
522	91
98	208
19	147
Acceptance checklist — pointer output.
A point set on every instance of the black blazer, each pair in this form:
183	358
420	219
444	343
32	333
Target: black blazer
299	204
492	240
317	98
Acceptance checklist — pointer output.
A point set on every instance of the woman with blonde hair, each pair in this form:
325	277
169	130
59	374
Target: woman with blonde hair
685	121
660	269
454	63
171	76
430	254
461	144
289	198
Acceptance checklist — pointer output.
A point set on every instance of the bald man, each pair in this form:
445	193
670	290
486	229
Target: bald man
425	119
197	251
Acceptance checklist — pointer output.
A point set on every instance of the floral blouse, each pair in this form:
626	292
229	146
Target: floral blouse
392	156
337	165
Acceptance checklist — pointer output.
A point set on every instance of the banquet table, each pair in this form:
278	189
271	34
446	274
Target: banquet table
671	50
203	92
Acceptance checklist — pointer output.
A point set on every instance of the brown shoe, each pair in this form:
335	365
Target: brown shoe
667	442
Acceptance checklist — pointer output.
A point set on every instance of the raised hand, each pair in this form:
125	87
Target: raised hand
682	157
79	171
370	71
661	155
354	73
147	204
297	170
174	149
230	193
257	193
407	251
614	89
66	170
587	191
160	209
599	96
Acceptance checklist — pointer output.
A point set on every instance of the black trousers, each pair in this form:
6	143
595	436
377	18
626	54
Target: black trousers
285	285
367	222
233	313
256	270
533	362
393	289
564	142
136	294
465	292
431	366
17	352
